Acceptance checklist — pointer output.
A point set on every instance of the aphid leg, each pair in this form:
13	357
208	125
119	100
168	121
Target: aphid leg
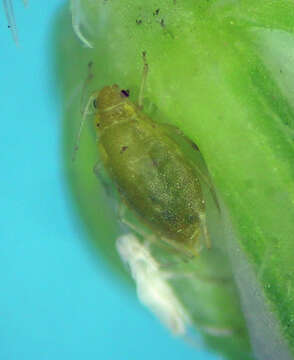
87	109
187	255
168	247
205	231
151	240
148	240
207	182
123	219
86	112
98	170
143	82
86	83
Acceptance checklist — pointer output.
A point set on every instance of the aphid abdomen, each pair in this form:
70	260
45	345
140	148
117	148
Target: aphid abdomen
175	191
154	180
150	170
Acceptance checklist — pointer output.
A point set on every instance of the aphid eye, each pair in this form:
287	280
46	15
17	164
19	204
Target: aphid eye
95	103
125	93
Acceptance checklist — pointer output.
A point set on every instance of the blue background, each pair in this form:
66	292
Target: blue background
57	300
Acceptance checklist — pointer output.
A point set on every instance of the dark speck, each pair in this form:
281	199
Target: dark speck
194	146
95	103
162	23
156	12
123	149
138	21
125	93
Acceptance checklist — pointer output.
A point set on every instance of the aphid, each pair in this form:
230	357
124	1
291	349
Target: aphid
149	168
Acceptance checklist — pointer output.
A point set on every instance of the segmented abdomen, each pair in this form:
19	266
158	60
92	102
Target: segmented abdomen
154	179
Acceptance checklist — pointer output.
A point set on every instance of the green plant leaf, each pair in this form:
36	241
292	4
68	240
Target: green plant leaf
221	71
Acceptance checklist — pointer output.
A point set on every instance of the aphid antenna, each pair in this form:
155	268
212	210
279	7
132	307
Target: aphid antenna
85	114
86	83
143	82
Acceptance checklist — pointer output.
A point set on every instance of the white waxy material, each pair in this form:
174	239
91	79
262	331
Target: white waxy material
152	286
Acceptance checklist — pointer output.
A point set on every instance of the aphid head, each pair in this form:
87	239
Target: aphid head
110	96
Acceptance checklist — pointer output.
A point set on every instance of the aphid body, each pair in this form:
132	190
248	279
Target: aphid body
150	170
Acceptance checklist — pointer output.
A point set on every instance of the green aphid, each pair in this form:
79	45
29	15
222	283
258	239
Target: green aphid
150	169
